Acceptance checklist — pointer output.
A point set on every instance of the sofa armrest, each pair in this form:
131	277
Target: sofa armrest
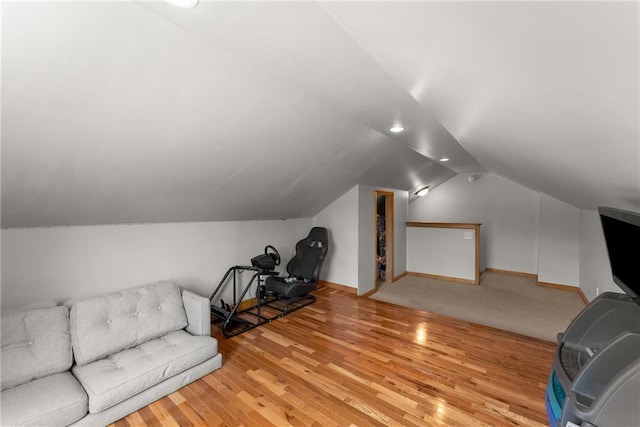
198	311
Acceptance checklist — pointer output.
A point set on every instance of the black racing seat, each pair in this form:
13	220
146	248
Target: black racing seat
303	268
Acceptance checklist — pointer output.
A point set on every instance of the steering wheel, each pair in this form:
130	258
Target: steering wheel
274	254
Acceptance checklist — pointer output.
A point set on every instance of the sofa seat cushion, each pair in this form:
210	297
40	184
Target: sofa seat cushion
54	400
116	378
104	325
35	343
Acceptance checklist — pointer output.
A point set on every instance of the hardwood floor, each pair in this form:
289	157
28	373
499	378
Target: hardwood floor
355	361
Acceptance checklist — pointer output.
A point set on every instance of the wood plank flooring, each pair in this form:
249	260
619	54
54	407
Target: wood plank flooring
347	361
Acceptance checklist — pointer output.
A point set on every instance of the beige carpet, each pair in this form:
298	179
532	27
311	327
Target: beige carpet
506	302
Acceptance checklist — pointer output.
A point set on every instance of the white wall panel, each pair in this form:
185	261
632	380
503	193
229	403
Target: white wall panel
558	242
341	220
70	262
441	252
507	211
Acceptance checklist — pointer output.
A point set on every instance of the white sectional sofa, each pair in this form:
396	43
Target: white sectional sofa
95	360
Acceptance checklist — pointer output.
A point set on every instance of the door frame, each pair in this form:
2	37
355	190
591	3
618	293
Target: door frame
389	206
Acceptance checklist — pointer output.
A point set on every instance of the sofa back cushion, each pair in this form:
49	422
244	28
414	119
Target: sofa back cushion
107	324
35	343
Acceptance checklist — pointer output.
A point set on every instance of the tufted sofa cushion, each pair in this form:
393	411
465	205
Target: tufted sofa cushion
35	343
116	378
107	324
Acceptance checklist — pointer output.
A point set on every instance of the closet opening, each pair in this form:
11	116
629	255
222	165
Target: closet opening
383	238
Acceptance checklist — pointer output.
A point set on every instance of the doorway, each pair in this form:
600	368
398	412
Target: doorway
383	235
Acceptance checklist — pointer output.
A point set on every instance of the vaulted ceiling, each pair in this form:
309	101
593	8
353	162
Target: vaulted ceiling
125	112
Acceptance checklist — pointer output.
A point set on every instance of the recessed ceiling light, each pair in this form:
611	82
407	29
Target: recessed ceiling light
396	128
183	4
423	191
444	159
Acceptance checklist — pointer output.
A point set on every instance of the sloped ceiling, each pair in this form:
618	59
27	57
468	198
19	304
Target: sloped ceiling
124	112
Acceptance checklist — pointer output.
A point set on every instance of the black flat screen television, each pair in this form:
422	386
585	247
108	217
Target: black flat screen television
622	235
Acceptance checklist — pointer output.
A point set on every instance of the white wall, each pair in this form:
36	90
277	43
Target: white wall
507	211
595	270
341	220
558	242
69	262
455	200
441	251
511	226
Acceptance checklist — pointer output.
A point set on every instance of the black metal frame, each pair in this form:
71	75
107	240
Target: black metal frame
232	324
284	305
